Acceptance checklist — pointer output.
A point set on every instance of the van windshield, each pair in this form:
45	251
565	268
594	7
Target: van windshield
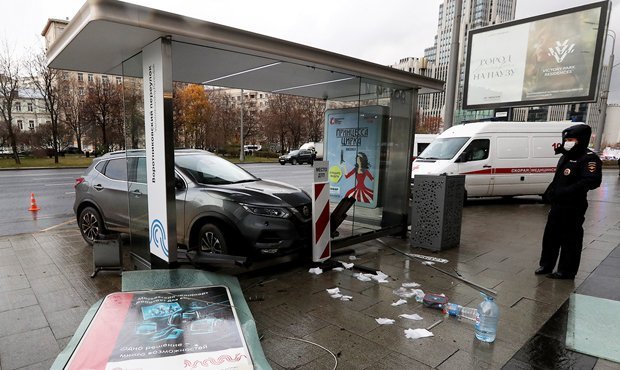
443	148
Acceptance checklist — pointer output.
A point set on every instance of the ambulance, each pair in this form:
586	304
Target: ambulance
497	158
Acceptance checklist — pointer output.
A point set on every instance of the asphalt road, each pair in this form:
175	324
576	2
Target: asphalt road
54	193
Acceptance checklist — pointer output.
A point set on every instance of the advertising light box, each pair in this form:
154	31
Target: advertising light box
354	153
553	58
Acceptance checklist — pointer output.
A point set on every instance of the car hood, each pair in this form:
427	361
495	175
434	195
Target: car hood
429	167
263	192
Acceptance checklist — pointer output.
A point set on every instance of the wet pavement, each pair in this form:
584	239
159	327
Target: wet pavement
45	290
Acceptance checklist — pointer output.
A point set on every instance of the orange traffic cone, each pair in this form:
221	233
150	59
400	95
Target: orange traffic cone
33	204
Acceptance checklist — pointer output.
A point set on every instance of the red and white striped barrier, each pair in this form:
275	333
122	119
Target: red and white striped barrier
321	246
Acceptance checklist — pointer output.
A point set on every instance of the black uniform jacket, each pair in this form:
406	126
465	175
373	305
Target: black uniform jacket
574	176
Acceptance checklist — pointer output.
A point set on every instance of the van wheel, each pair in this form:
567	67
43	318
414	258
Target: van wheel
91	225
212	240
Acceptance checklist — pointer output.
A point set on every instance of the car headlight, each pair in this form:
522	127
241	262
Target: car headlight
267	211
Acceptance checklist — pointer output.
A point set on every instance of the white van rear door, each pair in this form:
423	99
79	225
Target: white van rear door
475	162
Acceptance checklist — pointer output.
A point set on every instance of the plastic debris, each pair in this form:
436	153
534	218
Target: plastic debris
428	263
333	290
417	333
399	302
352	258
379	277
414	316
428	258
410	285
362	277
338	269
316	271
418	294
336	295
383	321
346	298
347	265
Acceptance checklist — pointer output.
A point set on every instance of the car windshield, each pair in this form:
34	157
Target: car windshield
443	148
212	170
293	152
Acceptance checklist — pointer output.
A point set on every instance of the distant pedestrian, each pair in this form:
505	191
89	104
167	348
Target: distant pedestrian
578	171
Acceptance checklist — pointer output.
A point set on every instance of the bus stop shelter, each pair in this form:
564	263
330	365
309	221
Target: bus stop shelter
155	49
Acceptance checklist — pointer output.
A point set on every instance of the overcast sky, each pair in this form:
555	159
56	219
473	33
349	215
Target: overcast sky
358	28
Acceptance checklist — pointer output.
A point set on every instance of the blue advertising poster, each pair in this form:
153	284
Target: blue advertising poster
354	153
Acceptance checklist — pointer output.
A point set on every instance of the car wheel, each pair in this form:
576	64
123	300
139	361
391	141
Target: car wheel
91	225
283	163
212	240
294	161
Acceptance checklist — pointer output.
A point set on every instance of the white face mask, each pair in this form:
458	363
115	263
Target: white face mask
568	145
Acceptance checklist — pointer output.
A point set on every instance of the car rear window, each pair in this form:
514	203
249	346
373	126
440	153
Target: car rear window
116	169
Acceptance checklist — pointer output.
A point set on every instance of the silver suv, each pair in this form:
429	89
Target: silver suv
220	207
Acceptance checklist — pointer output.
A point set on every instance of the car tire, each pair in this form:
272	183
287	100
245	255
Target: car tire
211	239
283	163
294	161
91	225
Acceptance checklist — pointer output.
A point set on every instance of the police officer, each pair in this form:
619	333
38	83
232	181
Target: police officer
578	170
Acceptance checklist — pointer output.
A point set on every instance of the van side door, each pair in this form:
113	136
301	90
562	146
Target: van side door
475	162
512	165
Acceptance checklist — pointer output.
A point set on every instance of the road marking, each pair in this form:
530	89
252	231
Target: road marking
61	224
69	192
65	184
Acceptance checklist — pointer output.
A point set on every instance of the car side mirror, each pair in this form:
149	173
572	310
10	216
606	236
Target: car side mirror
462	158
179	184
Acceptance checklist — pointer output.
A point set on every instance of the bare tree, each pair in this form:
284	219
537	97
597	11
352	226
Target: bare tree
103	108
9	84
46	81
313	113
71	106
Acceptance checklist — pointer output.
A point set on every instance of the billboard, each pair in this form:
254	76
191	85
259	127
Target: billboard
549	59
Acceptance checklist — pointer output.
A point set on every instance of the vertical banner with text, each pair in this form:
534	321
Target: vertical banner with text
153	73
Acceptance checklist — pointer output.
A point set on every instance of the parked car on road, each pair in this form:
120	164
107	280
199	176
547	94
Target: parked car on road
221	208
70	149
300	156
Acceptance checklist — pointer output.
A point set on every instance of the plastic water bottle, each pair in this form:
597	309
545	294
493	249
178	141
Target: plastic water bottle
457	310
486	320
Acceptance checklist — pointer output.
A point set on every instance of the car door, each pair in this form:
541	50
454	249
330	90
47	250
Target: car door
138	196
111	194
475	163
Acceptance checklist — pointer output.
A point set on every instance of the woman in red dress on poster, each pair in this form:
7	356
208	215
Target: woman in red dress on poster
360	192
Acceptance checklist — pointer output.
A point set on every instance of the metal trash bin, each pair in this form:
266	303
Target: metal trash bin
107	254
436	211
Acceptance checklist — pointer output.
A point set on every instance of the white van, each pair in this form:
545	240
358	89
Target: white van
420	142
315	147
498	158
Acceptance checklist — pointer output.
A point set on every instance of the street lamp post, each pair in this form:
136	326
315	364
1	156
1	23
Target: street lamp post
604	95
453	68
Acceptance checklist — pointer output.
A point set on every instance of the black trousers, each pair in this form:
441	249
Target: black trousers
564	236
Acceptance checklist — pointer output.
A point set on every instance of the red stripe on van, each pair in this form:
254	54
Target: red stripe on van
486	171
511	170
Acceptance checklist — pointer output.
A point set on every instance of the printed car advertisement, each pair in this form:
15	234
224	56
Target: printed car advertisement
353	152
164	329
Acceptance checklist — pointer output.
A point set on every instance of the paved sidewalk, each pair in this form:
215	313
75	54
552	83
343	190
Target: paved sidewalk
45	290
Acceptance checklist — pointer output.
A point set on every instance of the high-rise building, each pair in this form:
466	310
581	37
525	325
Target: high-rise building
475	14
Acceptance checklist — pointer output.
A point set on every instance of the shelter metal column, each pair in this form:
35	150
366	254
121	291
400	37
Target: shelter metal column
157	72
399	143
